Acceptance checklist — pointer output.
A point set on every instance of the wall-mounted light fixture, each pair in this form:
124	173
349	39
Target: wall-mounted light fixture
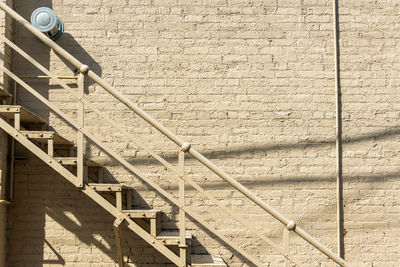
44	19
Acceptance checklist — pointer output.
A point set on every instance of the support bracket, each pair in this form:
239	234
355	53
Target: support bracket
118	240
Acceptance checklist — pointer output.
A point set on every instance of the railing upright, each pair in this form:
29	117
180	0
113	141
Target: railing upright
80	141
182	214
286	244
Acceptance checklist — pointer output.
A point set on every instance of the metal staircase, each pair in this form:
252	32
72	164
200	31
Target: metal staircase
87	174
17	122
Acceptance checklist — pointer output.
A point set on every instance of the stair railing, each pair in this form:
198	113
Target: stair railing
290	225
136	172
78	97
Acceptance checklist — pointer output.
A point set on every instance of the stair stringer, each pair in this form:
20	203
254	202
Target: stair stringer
136	172
91	193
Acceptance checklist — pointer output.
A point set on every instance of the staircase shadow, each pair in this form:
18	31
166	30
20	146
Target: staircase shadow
66	221
38	50
72	46
86	229
28	219
62	220
59	259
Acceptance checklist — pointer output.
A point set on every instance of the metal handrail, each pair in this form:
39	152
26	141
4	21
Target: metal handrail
289	224
140	143
136	172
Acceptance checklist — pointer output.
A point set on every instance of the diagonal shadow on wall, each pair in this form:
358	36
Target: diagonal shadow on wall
264	148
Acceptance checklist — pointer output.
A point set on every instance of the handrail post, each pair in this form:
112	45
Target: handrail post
80	142
118	240
286	244
182	214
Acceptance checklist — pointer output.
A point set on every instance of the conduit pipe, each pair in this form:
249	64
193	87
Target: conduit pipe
339	154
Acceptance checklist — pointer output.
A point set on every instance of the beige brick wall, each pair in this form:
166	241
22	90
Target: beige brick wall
371	128
250	84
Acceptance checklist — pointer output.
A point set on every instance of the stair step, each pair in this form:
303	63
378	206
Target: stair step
26	116
207	261
4	94
73	161
141	214
44	135
107	187
172	237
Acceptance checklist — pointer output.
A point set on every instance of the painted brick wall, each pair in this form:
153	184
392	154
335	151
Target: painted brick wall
250	84
371	129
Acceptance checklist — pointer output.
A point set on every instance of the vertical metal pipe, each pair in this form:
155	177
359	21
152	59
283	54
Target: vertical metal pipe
339	163
12	150
3	233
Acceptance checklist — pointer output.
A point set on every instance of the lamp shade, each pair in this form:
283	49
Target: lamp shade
45	20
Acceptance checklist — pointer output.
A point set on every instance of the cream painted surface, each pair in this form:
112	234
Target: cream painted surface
250	84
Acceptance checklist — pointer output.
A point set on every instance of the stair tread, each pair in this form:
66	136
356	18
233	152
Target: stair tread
173	234
40	135
142	213
172	237
207	261
73	161
26	116
102	187
4	93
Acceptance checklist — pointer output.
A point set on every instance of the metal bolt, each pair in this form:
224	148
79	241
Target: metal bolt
185	147
291	225
84	69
